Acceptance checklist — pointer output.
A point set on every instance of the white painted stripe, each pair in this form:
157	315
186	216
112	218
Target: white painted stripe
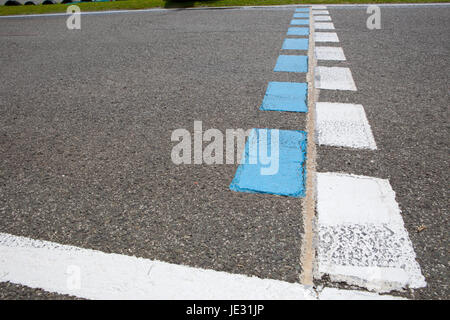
42	264
323	26
322	18
321	12
329	53
334	78
362	239
318	7
343	125
325	37
338	294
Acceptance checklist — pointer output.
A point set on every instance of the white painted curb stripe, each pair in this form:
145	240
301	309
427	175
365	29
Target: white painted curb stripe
325	37
323	26
329	53
343	125
362	239
334	78
42	264
322	18
321	12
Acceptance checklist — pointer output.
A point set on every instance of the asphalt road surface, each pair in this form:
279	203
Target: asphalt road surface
87	117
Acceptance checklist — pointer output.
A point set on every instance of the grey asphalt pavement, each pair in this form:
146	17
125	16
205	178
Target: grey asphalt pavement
87	116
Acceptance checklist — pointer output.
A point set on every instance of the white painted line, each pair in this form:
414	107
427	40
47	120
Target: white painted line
329	53
362	239
321	12
334	78
343	125
338	294
46	265
318	7
322	18
323	26
325	37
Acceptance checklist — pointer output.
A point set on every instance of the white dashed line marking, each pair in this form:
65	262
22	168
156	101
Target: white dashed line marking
334	78
325	37
343	125
329	53
322	18
321	12
324	26
362	239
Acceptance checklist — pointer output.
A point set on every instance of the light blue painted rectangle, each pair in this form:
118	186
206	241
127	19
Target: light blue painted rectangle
300	22
289	179
302	10
291	63
301	15
285	96
295	44
298	31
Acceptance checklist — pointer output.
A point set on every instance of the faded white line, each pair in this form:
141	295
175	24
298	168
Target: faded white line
323	26
322	18
318	7
343	125
334	78
362	239
329	53
326	37
320	12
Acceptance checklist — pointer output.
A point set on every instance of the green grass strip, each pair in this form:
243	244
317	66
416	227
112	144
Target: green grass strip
145	4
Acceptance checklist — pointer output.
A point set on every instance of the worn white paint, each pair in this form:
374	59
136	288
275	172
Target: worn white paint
325	37
48	266
322	18
323	26
361	237
318	12
42	264
329	53
334	78
343	125
318	7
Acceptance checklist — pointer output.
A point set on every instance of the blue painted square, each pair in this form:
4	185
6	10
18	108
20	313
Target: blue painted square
302	10
300	22
301	15
295	44
291	63
298	31
285	96
289	179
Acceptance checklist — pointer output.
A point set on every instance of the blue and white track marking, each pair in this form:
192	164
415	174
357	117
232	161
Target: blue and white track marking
343	125
324	26
322	18
326	37
334	78
298	31
291	63
286	96
329	53
300	22
295	44
362	239
287	148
